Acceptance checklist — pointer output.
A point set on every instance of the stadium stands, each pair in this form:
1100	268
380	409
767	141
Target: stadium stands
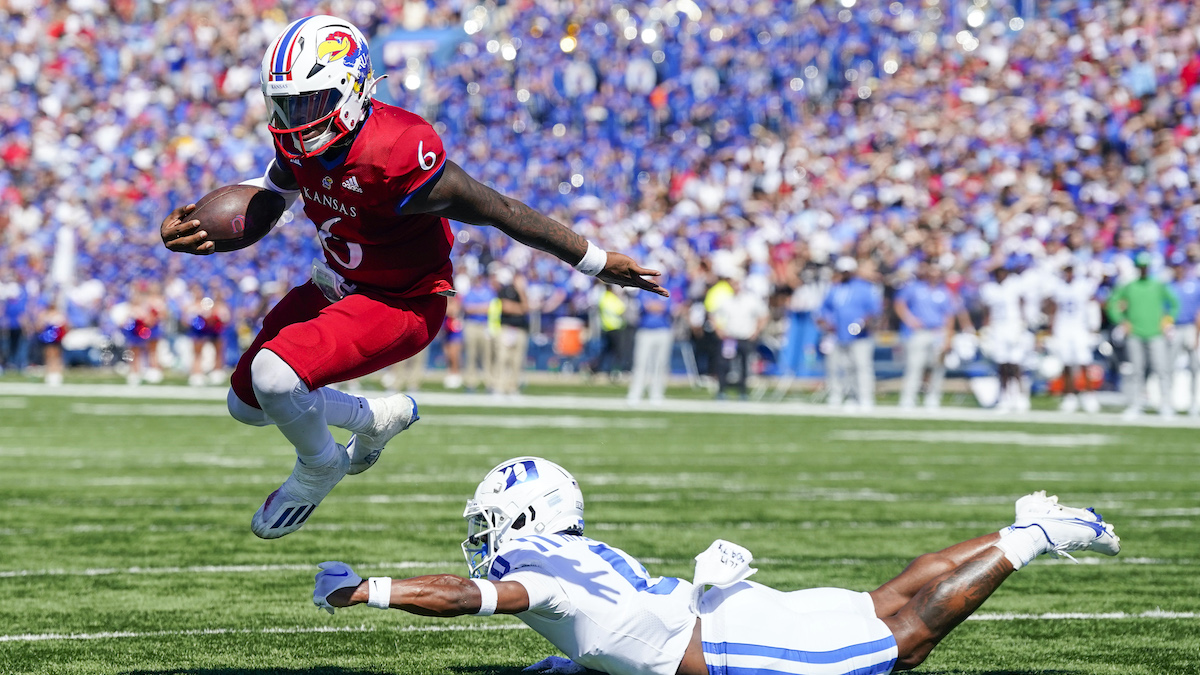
711	138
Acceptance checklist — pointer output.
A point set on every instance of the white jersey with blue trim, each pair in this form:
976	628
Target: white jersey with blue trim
599	605
1071	304
1003	302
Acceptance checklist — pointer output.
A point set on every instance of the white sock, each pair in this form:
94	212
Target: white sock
347	411
298	412
1021	545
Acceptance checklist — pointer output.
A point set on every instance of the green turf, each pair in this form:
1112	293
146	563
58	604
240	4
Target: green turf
118	504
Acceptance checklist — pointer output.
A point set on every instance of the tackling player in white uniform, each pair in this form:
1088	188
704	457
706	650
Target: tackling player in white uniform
1071	304
1007	341
527	556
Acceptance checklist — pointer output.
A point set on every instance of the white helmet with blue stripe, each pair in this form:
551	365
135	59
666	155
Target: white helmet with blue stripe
316	77
518	498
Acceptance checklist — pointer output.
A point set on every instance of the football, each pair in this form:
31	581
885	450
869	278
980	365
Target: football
236	216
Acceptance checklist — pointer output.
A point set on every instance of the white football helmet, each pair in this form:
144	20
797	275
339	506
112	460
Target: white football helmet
520	497
317	79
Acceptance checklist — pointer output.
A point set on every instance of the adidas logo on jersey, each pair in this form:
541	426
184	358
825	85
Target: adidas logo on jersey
351	183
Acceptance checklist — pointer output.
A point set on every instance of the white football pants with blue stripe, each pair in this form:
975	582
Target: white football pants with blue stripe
750	629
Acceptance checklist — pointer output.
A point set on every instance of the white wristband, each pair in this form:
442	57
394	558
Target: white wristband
380	589
593	261
487	597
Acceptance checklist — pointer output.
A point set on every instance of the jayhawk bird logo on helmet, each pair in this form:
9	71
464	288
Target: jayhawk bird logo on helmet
338	45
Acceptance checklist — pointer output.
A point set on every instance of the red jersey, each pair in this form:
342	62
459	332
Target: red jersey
355	202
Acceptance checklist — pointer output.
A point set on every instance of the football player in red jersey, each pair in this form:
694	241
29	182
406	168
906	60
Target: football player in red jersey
378	185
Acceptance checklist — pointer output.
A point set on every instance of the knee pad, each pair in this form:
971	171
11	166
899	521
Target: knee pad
244	412
282	394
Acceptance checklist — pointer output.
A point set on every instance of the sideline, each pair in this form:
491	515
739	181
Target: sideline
614	404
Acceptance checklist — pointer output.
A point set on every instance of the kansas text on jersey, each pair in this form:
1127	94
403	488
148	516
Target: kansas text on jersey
355	201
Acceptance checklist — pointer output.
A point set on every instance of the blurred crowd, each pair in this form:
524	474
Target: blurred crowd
761	153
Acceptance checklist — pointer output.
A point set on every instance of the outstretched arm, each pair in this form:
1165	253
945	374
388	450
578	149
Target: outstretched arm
457	196
441	595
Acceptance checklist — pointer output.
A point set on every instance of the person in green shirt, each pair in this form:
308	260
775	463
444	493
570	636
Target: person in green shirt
1143	309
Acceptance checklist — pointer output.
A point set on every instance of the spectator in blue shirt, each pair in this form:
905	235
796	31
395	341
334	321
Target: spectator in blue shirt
14	323
850	309
1187	338
927	309
807	292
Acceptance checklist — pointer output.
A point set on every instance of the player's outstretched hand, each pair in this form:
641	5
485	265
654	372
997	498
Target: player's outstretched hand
623	271
185	236
334	576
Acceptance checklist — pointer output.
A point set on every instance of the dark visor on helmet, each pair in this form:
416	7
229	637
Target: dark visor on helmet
293	112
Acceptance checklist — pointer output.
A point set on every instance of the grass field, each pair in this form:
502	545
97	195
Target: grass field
125	546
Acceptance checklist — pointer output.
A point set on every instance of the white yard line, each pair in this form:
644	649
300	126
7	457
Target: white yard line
1154	614
614	404
298	630
499	420
217	569
968	437
148	410
175	529
1086	616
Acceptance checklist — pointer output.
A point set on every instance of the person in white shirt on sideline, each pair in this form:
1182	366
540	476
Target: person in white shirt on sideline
1186	339
528	556
739	321
851	308
1007	341
1070	301
927	309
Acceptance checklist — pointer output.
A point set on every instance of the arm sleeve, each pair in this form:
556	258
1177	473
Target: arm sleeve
416	159
545	593
283	164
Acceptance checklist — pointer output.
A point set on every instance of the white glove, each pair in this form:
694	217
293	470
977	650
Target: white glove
333	576
555	665
722	565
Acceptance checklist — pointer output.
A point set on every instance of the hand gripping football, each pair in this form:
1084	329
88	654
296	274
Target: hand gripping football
236	216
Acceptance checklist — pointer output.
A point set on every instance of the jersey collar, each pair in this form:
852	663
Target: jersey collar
329	161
